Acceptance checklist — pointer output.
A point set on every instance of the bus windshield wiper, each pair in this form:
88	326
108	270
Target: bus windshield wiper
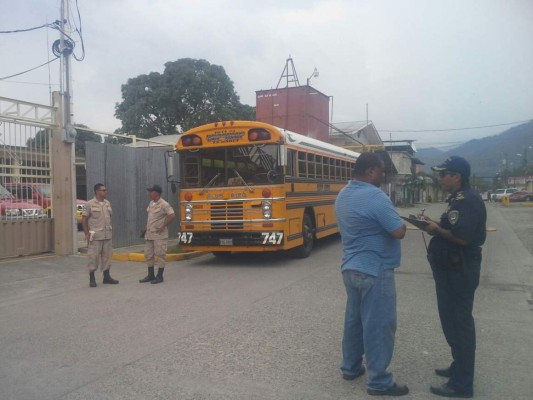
211	182
243	181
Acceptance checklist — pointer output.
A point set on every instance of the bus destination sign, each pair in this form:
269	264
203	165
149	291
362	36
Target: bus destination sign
225	136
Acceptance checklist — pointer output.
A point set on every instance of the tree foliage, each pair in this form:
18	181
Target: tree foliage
188	93
43	137
85	136
41	140
116	139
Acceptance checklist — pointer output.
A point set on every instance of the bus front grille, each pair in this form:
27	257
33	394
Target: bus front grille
229	214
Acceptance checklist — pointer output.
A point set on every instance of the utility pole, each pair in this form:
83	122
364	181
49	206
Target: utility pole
63	159
66	51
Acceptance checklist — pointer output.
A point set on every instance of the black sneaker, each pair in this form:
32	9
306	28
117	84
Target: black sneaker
349	377
394	390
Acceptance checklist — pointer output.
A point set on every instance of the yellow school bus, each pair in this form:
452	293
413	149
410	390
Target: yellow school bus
250	186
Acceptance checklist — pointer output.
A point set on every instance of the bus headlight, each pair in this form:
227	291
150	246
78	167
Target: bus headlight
188	212
267	209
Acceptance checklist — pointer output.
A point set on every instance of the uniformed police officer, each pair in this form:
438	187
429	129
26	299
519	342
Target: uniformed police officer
96	222
454	254
160	215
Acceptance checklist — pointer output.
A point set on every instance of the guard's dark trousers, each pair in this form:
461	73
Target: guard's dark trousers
455	298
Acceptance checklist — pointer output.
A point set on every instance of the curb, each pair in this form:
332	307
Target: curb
139	257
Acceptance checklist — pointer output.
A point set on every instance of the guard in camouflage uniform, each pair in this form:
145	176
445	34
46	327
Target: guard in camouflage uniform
160	215
96	222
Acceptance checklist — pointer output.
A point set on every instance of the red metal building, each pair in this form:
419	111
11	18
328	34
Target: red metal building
301	109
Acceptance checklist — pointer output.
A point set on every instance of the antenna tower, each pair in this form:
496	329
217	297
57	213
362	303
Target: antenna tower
289	73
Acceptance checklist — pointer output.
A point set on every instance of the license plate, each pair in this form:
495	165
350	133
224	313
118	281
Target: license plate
226	242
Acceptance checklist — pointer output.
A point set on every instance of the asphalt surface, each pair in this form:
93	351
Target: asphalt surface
253	327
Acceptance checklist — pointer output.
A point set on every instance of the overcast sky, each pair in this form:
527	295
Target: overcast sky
419	64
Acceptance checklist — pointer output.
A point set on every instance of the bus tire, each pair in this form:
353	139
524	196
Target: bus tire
222	254
308	233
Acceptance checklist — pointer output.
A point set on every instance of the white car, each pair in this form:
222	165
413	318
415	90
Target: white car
497	196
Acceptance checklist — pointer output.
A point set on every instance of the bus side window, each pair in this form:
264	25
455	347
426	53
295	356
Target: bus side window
326	167
302	165
291	163
318	162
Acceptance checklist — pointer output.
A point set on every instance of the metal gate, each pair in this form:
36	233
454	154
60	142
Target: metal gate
26	219
127	172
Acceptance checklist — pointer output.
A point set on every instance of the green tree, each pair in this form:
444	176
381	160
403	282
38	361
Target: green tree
116	139
84	136
413	184
42	139
188	93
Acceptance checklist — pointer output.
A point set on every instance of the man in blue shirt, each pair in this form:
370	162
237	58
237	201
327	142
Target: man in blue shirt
454	254
371	230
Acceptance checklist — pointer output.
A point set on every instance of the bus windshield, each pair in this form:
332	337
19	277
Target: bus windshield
230	166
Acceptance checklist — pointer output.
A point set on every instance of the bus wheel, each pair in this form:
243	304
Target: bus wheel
222	254
308	233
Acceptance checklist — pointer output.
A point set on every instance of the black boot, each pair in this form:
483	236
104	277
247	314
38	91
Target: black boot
159	277
108	279
150	277
92	279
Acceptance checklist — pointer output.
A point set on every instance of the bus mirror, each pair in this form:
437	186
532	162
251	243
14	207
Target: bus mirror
283	155
169	165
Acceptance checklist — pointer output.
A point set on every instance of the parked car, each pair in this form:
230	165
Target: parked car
41	193
13	208
521	196
497	196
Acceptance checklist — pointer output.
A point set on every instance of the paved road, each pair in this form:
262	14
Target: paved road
254	327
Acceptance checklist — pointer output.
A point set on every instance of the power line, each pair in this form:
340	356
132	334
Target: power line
28	29
32	83
455	129
79	34
23	72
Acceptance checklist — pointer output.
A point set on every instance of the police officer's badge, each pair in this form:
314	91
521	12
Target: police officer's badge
453	217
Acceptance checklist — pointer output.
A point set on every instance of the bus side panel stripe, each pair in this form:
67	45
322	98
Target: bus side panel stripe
296	194
310	204
294	236
326	227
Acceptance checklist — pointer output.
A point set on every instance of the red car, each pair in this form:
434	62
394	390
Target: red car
41	193
521	196
12	208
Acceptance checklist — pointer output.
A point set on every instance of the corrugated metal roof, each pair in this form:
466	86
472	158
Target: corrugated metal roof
361	132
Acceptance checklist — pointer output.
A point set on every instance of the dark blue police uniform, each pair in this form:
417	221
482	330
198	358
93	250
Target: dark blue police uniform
456	271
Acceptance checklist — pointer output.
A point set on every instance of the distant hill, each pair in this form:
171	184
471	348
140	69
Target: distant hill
487	155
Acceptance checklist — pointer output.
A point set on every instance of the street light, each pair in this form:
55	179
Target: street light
313	75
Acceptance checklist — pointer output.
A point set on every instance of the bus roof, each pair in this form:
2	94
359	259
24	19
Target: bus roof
291	139
296	139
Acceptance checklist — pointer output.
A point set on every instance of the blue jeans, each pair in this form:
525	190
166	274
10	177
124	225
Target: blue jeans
369	325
